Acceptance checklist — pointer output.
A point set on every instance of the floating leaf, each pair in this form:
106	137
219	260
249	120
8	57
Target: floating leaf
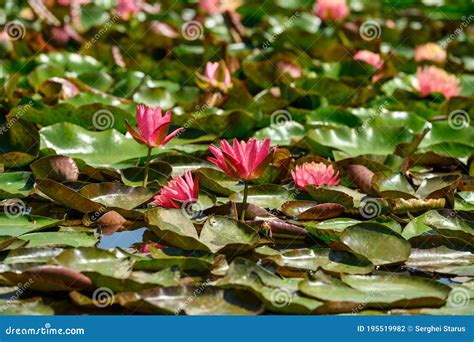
265	195
378	243
15	184
207	300
116	195
325	258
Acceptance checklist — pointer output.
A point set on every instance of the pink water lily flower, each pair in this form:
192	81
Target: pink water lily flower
179	190
210	6
430	52
152	127
218	6
336	10
126	8
217	75
314	174
369	57
146	247
293	70
243	160
433	80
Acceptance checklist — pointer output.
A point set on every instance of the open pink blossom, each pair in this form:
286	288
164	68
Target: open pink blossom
433	80
289	68
369	57
126	8
430	52
217	75
152	127
243	160
210	6
146	247
219	6
179	190
336	10
315	174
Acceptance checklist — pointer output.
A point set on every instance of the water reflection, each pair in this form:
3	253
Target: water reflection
122	239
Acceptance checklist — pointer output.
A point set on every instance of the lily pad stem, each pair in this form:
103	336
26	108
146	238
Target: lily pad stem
244	201
147	166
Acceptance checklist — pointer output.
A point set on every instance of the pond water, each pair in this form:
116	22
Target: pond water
122	239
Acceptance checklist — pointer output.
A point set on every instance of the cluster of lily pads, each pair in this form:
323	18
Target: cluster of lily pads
283	160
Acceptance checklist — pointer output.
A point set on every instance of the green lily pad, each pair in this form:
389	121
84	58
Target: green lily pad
392	186
325	258
335	194
25	307
22	224
116	195
330	230
19	142
137	281
86	259
308	210
282	134
72	239
453	226
104	148
159	173
265	195
442	260
278	294
222	233
174	227
358	292
15	184
218	182
169	257
67	196
353	144
464	201
207	300
437	187
47	278
57	168
378	243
